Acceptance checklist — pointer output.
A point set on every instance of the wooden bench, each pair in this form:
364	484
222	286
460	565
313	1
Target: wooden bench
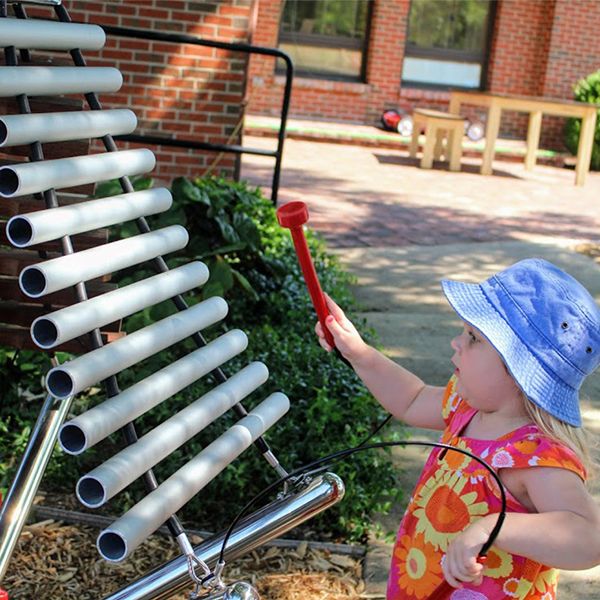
438	126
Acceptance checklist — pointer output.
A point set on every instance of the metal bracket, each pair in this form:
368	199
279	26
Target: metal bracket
46	2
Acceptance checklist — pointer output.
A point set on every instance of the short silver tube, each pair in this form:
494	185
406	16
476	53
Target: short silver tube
76	375
256	529
41	34
53	223
34	177
64	126
119	471
58	273
53	81
127	533
94	425
67	323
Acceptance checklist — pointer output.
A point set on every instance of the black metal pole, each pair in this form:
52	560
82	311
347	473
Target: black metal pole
178	38
285	105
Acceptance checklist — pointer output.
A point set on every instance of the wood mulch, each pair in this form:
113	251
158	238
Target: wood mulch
56	561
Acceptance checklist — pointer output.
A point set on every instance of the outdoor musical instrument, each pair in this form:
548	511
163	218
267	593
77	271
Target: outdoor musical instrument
82	321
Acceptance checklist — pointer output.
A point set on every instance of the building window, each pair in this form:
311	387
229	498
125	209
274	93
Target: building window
448	43
326	38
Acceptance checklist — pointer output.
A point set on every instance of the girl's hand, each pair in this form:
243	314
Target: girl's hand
460	563
346	337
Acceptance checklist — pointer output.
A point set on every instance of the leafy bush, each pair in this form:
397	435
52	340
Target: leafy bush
586	90
253	265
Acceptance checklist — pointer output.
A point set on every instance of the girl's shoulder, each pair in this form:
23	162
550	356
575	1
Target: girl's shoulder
523	448
529	447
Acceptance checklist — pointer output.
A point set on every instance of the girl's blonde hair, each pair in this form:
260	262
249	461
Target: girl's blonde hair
575	438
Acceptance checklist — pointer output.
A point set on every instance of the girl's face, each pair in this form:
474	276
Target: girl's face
482	378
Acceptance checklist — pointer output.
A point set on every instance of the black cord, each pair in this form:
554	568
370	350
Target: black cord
349	451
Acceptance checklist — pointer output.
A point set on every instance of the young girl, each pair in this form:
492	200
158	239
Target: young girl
531	335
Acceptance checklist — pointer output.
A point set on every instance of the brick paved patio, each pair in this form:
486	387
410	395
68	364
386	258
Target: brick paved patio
364	196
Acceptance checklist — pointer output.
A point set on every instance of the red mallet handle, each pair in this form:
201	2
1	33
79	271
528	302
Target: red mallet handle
292	216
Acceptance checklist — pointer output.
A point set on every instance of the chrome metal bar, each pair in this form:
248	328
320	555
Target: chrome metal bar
256	529
24	487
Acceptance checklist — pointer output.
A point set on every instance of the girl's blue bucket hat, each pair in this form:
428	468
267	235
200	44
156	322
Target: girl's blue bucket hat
544	324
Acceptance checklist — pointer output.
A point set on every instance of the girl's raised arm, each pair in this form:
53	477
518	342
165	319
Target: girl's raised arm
399	391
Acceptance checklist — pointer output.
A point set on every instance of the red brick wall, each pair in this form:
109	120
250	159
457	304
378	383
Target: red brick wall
178	91
518	54
322	99
574	52
538	47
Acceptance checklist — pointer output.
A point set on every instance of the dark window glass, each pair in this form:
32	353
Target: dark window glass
447	42
325	38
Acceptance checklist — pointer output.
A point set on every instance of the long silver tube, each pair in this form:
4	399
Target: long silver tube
59	273
94	425
53	81
54	223
73	376
63	126
50	35
75	320
34	177
119	471
120	539
258	528
19	499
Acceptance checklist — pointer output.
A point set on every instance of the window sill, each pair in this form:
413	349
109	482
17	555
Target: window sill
412	93
327	85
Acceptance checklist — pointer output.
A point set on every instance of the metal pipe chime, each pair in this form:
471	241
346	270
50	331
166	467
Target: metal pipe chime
49	331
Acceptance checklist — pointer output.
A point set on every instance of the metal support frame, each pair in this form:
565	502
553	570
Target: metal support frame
237	47
305	502
20	497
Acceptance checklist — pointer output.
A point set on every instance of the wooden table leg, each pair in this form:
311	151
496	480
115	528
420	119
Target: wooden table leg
533	138
491	134
414	140
427	160
439	145
584	150
455	147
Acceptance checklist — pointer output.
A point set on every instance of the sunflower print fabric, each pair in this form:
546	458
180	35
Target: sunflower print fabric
454	491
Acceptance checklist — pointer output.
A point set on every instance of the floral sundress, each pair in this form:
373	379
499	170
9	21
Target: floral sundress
455	490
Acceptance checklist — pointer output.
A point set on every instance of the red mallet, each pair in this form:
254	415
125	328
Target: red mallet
292	216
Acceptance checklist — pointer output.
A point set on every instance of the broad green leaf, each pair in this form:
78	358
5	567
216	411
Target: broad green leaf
247	230
246	286
108	188
144	182
221	272
227	231
212	288
184	190
175	216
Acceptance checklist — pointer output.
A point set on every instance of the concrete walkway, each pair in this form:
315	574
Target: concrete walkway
401	229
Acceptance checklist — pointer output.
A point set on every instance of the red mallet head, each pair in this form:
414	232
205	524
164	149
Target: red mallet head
292	214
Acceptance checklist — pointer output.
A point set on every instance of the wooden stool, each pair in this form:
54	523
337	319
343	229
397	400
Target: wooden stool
438	125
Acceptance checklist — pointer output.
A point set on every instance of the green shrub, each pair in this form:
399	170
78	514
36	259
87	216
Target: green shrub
253	265
586	90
